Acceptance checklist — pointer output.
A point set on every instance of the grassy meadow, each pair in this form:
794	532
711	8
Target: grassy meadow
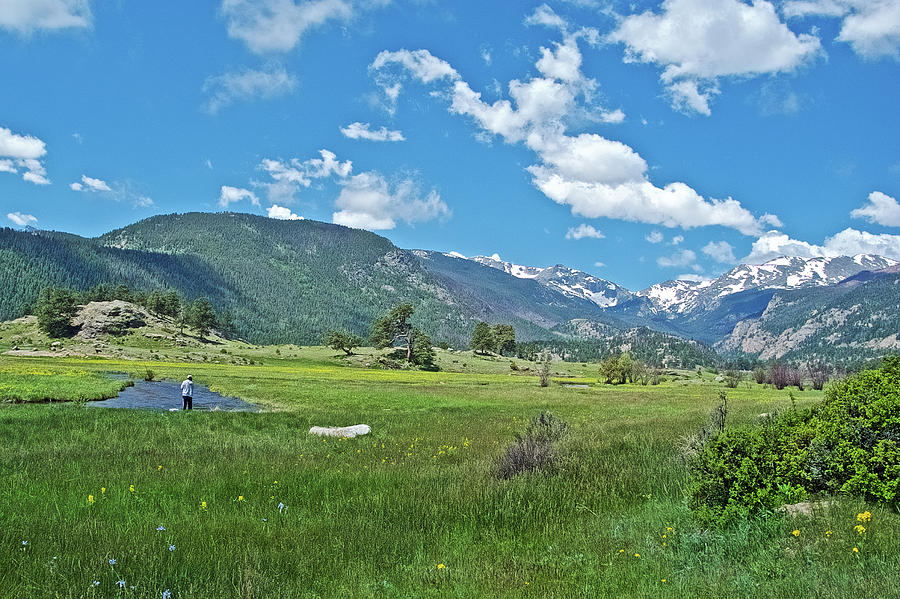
129	503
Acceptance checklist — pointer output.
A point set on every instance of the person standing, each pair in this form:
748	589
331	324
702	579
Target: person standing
187	393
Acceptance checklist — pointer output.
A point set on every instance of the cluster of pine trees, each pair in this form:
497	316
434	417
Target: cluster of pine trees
499	339
56	307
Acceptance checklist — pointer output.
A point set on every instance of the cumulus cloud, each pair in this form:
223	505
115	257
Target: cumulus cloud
90	184
654	237
881	209
848	242
288	176
26	16
281	213
696	42
369	201
871	27
584	230
278	25
23	220
677	239
593	175
720	251
679	258
229	195
249	84
359	130
25	153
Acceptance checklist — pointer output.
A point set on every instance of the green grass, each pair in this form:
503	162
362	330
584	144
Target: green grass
376	516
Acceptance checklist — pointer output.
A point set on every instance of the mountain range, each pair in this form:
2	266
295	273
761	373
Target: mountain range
289	281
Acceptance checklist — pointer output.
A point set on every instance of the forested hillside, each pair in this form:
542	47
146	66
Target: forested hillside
854	321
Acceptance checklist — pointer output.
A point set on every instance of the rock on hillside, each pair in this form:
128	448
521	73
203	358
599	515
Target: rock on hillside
98	319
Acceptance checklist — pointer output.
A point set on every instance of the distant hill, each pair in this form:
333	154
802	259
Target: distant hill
853	321
290	281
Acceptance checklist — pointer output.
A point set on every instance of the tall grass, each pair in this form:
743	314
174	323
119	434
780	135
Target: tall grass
412	510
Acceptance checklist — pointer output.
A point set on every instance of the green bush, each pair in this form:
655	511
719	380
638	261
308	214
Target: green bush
849	444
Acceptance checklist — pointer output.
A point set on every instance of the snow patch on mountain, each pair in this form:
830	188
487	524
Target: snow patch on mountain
565	280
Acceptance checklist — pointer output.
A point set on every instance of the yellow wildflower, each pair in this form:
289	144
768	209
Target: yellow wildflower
796	533
827	533
866	516
102	490
663	580
856	550
621	551
637	555
158	468
860	529
131	488
90	499
240	497
441	566
202	505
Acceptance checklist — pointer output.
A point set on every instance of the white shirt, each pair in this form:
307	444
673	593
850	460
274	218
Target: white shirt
187	388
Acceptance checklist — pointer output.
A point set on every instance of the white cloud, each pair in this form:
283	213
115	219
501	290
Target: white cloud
278	25
881	209
599	264
654	237
584	230
359	130
677	239
544	15
26	16
720	251
595	176
223	90
698	41
90	184
486	55
23	152
23	220
281	213
117	191
289	176
871	27
229	195
368	201
848	242
692	277
612	116
679	258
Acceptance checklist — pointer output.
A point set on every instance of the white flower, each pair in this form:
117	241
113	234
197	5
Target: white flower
281	507
167	594
171	547
112	562
160	527
24	543
96	583
121	584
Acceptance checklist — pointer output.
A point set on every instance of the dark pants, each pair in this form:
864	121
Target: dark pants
188	403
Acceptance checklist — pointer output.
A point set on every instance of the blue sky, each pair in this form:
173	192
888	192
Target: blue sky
638	141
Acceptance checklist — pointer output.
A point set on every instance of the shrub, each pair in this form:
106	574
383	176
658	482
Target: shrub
149	375
849	443
535	450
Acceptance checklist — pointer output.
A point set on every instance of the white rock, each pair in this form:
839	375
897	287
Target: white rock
336	431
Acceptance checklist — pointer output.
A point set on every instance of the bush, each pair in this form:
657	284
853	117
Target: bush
849	443
535	450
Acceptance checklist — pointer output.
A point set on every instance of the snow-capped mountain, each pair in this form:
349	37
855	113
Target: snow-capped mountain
780	273
568	281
